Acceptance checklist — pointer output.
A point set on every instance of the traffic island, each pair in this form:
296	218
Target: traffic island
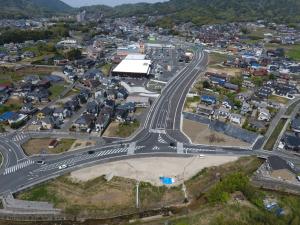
37	146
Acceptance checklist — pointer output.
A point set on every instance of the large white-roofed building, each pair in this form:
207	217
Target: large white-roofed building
133	66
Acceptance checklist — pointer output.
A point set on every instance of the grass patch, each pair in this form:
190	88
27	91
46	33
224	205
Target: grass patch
74	91
56	90
41	193
106	69
40	145
216	58
127	128
191	101
291	108
279	99
273	138
16	76
10	107
294	52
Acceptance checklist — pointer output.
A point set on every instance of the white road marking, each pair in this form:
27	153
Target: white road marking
19	166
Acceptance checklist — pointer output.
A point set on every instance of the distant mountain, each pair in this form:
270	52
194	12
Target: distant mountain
213	11
31	8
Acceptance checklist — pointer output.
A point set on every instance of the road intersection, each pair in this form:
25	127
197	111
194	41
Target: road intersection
160	135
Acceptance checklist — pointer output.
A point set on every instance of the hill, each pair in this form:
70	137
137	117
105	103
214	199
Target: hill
213	11
31	8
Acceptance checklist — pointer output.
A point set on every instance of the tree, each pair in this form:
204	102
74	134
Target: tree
258	81
206	84
73	54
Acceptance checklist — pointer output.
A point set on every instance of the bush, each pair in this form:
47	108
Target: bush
231	183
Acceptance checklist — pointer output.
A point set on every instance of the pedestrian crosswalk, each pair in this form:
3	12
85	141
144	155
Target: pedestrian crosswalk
82	158
155	148
17	167
161	140
19	137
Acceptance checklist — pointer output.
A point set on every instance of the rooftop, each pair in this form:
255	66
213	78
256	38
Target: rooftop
133	66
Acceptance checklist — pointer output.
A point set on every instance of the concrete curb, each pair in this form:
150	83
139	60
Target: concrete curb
2	157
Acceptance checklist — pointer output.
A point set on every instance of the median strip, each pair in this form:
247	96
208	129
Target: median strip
273	138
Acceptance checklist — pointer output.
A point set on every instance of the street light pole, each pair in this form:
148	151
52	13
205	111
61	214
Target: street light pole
137	194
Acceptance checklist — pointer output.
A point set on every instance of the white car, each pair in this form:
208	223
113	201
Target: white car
64	166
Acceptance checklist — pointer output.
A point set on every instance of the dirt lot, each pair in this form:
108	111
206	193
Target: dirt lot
81	144
15	100
38	146
202	134
111	130
150	169
227	70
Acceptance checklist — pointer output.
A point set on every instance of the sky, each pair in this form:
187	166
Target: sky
78	3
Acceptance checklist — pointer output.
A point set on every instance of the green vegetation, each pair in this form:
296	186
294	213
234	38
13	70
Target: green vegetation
291	108
234	182
99	197
127	128
217	58
73	54
202	12
258	81
40	145
279	99
41	193
294	52
16	9
273	138
63	145
56	90
106	69
14	35
10	107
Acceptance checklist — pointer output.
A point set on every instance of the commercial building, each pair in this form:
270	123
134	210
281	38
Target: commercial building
133	68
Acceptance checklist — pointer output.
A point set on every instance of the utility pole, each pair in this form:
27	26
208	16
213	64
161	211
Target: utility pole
137	194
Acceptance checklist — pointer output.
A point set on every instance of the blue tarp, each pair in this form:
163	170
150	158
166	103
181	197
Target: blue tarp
6	116
167	180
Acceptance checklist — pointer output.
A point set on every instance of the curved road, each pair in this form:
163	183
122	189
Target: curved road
160	134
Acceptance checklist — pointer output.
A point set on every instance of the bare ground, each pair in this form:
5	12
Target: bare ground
78	144
202	134
40	145
150	169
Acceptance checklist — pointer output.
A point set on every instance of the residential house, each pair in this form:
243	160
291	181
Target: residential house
121	115
45	112
93	108
264	114
295	124
72	105
102	122
84	123
62	113
28	108
207	99
292	142
130	106
235	118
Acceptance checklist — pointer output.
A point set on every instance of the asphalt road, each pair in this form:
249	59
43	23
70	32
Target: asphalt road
160	134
